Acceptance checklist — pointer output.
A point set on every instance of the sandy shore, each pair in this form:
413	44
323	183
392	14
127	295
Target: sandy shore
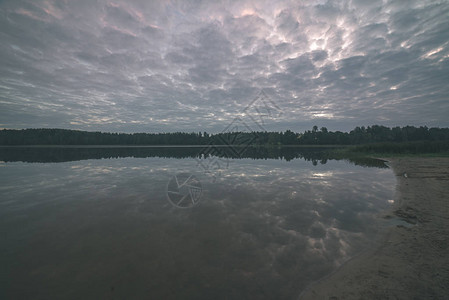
411	262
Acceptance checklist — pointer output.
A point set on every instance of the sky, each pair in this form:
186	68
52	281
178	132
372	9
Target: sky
165	66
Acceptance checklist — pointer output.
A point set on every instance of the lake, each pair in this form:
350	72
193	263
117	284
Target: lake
182	223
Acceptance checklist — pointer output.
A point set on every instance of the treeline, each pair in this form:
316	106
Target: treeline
315	136
315	155
417	147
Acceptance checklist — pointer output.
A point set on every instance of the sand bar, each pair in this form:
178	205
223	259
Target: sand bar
411	262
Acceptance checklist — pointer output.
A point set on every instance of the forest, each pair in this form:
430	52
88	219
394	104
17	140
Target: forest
315	136
315	155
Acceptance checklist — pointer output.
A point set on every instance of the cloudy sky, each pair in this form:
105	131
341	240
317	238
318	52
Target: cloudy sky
159	66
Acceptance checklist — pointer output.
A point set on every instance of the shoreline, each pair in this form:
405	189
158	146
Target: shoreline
410	262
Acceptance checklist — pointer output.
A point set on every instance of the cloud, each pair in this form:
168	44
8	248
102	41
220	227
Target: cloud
167	66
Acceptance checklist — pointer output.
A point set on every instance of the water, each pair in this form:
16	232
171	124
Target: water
265	226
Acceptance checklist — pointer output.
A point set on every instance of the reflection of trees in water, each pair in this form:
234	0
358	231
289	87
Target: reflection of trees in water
62	154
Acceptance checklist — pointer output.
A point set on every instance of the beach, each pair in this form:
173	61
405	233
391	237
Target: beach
411	260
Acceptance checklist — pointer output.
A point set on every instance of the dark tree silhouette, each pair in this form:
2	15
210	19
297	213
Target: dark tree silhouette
359	135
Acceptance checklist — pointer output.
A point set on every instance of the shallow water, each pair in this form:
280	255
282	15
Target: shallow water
261	228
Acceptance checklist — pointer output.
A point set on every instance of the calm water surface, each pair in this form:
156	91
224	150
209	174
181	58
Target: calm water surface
104	229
